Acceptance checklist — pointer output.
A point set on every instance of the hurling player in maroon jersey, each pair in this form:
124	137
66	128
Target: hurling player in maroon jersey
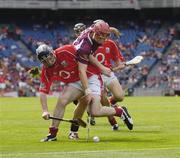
105	53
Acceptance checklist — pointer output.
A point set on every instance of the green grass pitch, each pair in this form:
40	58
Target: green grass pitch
156	131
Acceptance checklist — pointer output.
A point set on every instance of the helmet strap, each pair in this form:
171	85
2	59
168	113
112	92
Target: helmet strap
94	34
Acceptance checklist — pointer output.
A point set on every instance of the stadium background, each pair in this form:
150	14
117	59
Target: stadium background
148	28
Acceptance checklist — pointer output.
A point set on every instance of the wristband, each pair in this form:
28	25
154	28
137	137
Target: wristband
45	113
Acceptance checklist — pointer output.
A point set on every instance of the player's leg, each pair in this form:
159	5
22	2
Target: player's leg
114	86
67	96
111	119
78	113
116	90
92	119
98	110
95	85
109	82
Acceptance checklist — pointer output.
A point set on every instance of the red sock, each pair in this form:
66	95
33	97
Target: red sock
119	111
112	100
53	131
112	120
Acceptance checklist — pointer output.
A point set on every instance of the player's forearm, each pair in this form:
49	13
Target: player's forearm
118	65
104	70
84	80
82	75
43	99
95	62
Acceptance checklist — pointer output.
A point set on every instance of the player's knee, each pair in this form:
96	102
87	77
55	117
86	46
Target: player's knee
62	102
95	113
119	97
82	106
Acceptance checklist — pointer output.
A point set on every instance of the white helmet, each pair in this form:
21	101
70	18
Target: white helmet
43	51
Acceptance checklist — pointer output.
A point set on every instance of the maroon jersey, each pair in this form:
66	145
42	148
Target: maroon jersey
85	46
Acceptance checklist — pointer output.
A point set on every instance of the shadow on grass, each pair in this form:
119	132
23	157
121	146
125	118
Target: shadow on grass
124	140
142	131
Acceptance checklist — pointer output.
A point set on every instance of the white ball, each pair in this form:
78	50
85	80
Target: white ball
96	139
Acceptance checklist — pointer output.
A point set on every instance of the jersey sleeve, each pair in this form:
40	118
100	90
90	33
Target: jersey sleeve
116	52
83	51
45	84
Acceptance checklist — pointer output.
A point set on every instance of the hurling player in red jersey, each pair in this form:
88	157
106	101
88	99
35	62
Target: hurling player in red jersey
84	48
90	86
61	65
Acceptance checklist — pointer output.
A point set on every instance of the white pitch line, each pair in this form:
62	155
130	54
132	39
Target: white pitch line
94	151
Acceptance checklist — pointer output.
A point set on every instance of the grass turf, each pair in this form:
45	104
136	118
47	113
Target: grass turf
156	131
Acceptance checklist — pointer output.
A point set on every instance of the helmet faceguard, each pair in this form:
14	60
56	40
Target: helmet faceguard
45	55
101	31
78	28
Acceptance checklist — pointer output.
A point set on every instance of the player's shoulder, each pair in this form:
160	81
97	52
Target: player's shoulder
68	48
110	42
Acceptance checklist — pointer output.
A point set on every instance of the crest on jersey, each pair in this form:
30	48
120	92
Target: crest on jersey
64	63
107	50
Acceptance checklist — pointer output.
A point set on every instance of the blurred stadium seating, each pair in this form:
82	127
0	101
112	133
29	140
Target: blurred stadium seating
153	38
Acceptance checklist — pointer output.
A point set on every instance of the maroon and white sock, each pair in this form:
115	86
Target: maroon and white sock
53	131
112	120
119	111
112	101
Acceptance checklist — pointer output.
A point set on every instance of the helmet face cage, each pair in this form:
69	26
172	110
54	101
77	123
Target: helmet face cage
45	55
79	27
48	60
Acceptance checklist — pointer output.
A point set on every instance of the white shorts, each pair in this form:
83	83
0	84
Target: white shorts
95	84
107	80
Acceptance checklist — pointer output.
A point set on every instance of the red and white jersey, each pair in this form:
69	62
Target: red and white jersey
2	79
108	52
65	68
